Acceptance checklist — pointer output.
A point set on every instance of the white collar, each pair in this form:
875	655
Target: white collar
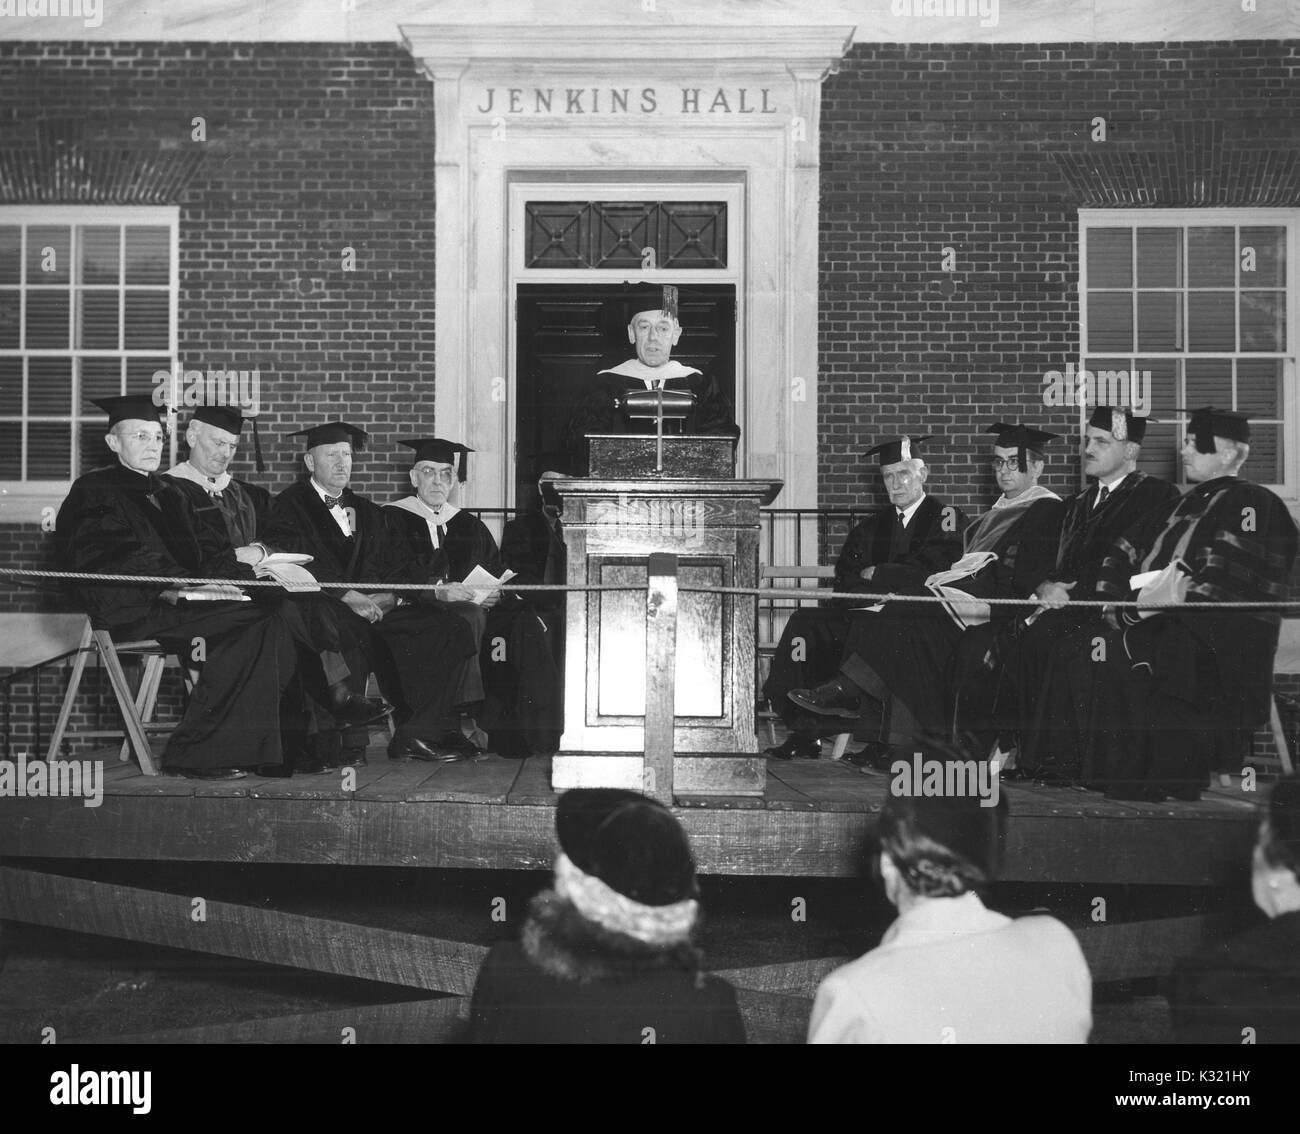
1111	484
910	510
938	918
635	368
322	493
1029	496
210	484
418	507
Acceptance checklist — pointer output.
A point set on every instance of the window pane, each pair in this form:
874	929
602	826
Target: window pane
1264	465
92	450
1259	386
1269	248
147	314
11	450
100	254
10	253
49	254
11	385
1110	320
1263	320
1160	257
1159	316
49	386
49	450
47	320
100	378
1159	384
148	255
9	319
140	374
1110	257
1210	322
98	324
1209	383
1211	257
1160	452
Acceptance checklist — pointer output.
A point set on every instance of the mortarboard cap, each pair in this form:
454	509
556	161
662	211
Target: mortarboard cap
1021	437
223	417
130	407
899	449
440	452
1122	424
632	299
332	432
1207	423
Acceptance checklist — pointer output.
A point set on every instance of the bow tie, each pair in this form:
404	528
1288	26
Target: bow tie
332	501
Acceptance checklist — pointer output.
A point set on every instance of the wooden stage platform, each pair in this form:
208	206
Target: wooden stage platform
814	821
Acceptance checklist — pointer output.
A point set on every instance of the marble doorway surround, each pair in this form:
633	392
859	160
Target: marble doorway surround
598	103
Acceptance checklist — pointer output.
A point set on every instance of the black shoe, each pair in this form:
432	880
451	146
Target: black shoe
354	711
455	746
208	773
829	700
798	746
274	771
413	748
877	756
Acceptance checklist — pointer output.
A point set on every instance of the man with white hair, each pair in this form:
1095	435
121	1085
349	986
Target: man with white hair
893	549
1176	691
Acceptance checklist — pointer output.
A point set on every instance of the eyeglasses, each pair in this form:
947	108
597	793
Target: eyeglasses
142	438
1000	463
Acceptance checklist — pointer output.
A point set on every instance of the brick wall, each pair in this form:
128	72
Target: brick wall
927	146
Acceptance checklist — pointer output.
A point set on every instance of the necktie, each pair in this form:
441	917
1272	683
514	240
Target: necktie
1101	496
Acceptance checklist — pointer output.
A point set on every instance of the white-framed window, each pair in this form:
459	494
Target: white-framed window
1204	301
88	299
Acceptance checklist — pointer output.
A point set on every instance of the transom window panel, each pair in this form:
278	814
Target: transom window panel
1203	304
683	235
86	311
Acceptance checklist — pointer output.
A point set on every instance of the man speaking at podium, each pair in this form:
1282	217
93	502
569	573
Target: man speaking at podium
653	328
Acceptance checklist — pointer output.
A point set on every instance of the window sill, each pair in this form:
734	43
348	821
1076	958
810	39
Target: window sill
31	503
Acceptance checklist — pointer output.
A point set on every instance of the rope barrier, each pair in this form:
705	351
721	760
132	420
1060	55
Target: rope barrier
17	573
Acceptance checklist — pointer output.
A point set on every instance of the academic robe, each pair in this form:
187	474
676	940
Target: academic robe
812	644
999	666
516	656
1172	696
117	521
418	653
598	407
903	655
239	510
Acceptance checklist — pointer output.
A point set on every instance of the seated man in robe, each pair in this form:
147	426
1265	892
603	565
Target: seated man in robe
1173	692
421	656
236	510
653	328
128	520
900	657
444	545
1000	665
895	548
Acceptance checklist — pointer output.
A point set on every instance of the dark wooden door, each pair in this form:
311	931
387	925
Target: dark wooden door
565	336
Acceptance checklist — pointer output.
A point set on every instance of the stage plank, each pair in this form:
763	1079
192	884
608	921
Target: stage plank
781	796
253	933
416	1021
722	802
404	777
533	784
834	787
135	783
485	779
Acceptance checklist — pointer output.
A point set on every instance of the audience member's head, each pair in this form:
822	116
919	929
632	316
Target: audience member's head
940	846
1275	875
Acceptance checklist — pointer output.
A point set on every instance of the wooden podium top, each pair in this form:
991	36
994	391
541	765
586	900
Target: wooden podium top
765	491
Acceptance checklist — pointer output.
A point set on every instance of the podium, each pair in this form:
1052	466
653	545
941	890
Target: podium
679	718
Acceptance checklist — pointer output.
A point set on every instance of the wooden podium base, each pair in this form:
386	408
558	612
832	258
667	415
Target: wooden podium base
705	774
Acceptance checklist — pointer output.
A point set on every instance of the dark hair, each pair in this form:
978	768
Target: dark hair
943	846
1280	836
